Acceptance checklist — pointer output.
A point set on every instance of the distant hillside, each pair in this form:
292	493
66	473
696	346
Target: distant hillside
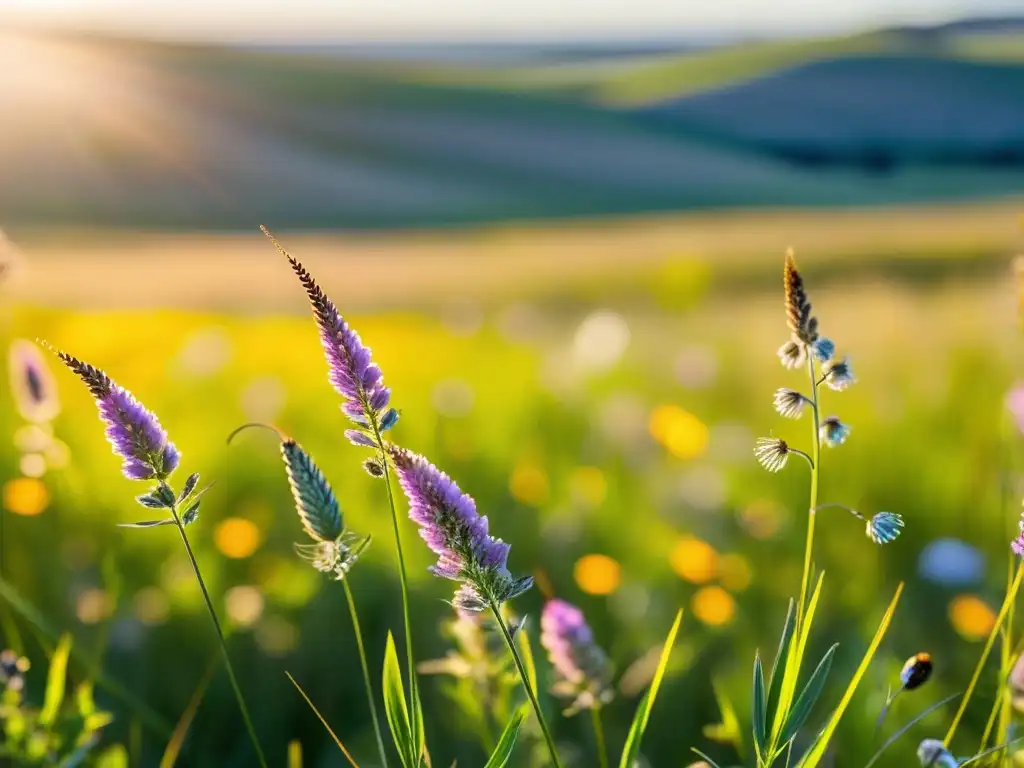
124	134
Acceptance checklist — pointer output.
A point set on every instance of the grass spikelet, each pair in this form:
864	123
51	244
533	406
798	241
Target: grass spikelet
798	305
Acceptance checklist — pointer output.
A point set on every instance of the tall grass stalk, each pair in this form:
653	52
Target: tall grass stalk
1011	595
525	679
220	632
602	750
366	672
805	579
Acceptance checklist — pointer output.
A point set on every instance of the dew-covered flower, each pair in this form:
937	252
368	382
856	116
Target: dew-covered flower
457	534
771	453
839	374
134	433
792	354
823	349
582	669
790	403
352	372
884	527
916	671
833	432
32	385
932	753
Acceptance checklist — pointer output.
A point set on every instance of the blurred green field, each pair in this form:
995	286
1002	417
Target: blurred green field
613	417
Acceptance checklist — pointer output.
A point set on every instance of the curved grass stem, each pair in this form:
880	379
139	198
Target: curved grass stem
813	501
602	750
525	679
366	671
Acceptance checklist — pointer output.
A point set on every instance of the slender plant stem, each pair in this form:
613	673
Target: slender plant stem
1011	595
813	504
602	750
366	671
220	636
525	678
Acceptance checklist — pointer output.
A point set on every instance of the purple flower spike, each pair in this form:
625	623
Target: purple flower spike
134	432
351	372
583	671
457	534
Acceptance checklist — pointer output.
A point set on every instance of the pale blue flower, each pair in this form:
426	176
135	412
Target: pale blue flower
823	349
833	432
884	527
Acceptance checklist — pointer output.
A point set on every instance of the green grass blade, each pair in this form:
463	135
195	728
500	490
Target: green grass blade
705	758
896	736
395	708
817	749
56	682
779	664
323	722
503	751
808	697
643	711
758	710
794	661
727	731
177	740
294	754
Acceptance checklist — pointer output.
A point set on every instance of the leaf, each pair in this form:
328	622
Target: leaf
728	730
758	709
794	661
190	485
395	708
817	749
323	722
705	758
151	501
502	752
643	711
115	757
84	700
146	524
177	740
56	681
165	494
191	514
781	657
805	702
294	754
895	737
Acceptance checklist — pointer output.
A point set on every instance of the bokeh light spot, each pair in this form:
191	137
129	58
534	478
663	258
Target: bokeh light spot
529	485
25	496
32	465
598	574
237	537
151	606
713	606
588	485
761	518
694	560
971	617
734	572
244	605
93	606
680	432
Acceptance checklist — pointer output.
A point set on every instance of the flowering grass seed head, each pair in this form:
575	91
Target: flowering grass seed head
771	453
457	534
351	371
134	433
798	306
790	403
582	669
884	527
833	432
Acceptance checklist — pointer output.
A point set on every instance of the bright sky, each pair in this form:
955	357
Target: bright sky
353	20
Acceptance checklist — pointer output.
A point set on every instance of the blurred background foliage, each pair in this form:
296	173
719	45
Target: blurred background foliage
596	383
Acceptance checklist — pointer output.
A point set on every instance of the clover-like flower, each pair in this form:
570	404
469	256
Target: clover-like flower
790	403
884	527
833	432
792	354
457	534
772	453
839	374
134	433
582	668
823	349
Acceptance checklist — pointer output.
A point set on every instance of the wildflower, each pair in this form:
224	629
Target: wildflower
933	754
352	373
772	453
839	375
823	349
792	354
790	403
457	534
134	433
833	432
798	306
582	668
916	671
35	395
1017	545
884	527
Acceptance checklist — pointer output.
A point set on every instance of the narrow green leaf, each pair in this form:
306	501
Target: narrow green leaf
114	757
84	700
817	749
794	662
151	501
896	736
323	721
395	707
728	730
503	751
56	681
779	664
808	697
146	524
705	758
177	740
758	709
294	754
631	749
